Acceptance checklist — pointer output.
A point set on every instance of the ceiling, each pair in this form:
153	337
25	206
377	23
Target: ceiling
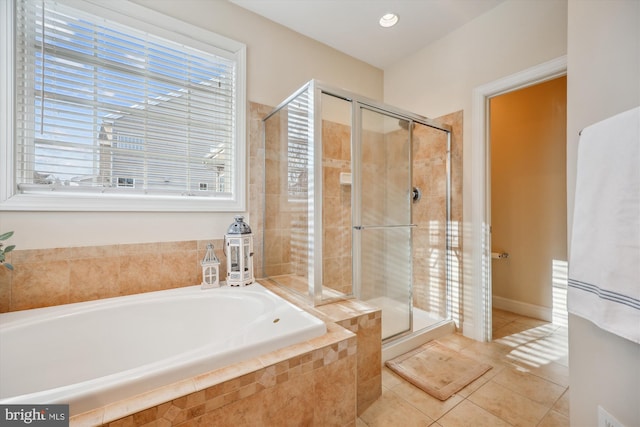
351	26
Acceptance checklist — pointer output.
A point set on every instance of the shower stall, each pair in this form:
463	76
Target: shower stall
357	204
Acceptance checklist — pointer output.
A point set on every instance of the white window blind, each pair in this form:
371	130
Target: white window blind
298	131
106	109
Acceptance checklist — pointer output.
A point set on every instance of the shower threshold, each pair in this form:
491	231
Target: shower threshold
426	327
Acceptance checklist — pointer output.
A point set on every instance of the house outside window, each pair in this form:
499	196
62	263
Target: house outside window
298	129
115	111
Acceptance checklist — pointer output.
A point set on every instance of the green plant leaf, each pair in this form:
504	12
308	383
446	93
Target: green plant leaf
9	266
9	248
6	235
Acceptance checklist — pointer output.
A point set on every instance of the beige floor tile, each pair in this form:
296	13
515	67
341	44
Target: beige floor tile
456	341
507	405
391	410
424	402
498	322
541	351
535	388
562	404
466	414
507	315
527	385
389	378
564	360
489	353
535	322
522	332
551	371
554	419
466	392
487	349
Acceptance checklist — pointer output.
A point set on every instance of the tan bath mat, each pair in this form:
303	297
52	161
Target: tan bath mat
436	369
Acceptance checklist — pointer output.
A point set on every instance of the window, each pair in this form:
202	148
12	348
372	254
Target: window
298	130
113	112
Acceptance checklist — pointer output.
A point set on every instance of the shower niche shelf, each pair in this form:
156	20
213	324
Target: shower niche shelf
345	178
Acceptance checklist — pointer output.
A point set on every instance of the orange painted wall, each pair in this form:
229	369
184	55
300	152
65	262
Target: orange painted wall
528	190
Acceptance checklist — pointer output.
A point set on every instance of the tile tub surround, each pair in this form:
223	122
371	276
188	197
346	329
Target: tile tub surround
310	383
47	277
314	383
363	320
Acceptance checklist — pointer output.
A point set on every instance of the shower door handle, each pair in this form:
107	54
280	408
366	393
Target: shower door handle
375	227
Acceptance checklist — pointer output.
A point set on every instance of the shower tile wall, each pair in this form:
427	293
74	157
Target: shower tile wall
429	245
283	216
375	182
286	219
336	207
286	257
256	181
429	214
455	120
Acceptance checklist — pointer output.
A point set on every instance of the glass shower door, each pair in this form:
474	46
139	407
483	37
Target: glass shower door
382	217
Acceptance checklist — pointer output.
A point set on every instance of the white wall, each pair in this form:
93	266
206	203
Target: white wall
440	79
513	36
279	61
603	80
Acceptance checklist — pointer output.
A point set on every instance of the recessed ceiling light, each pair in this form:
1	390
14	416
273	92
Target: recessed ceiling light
388	20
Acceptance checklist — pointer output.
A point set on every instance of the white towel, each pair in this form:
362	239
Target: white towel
604	265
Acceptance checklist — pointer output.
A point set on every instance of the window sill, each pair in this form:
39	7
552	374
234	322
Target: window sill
119	203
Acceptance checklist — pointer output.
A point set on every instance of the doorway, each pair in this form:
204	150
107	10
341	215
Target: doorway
528	216
478	304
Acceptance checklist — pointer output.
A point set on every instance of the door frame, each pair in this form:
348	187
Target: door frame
477	324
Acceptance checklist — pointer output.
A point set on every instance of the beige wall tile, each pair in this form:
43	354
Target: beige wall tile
140	273
331	408
290	404
94	278
5	286
180	269
39	284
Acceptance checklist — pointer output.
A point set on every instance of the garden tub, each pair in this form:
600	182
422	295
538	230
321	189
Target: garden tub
94	353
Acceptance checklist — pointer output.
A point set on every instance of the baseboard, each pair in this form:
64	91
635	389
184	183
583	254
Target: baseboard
523	308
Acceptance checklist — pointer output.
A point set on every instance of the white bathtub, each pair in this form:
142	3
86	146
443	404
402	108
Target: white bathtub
93	353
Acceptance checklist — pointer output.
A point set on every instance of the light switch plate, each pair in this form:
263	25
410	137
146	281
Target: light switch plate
605	419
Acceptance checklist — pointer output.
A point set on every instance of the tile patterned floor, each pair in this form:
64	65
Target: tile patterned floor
528	385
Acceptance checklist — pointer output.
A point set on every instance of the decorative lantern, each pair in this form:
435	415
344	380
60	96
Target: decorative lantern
210	269
239	251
